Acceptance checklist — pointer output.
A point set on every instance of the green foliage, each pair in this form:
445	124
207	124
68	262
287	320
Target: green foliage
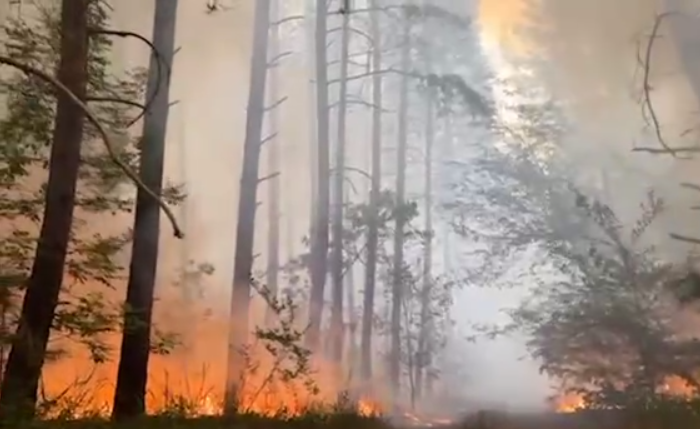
26	126
600	316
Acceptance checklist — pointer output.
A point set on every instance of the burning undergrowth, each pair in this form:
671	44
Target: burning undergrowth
280	378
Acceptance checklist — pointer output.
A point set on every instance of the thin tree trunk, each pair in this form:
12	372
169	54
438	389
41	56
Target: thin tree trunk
18	392
273	162
310	25
338	265
352	319
397	278
247	205
319	242
423	349
130	393
375	191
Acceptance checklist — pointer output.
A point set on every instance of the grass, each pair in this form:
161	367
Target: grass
349	420
340	422
246	421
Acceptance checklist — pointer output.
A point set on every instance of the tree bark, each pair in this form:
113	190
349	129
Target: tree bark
397	277
18	393
310	27
319	241
132	374
273	163
247	204
352	319
338	265
375	191
425	295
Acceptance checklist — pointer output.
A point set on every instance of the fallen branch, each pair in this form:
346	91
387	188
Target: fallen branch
100	129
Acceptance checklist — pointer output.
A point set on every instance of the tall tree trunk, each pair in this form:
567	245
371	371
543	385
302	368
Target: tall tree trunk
425	295
18	392
273	163
319	241
338	265
310	25
352	319
130	393
375	191
247	205
397	278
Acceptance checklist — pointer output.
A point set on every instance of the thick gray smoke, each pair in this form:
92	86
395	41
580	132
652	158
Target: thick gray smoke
594	55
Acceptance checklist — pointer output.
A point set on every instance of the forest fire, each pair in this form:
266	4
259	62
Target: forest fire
190	379
569	403
572	402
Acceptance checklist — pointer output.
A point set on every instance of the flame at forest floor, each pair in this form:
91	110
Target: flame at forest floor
190	380
672	386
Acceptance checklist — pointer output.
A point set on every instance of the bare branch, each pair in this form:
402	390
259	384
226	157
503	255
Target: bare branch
269	176
361	103
119	101
276	104
665	150
274	62
160	63
287	19
268	138
360	171
103	133
685	238
367	37
372	73
646	93
692	186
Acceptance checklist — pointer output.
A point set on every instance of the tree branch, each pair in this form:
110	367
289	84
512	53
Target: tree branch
646	94
103	133
120	101
287	19
273	62
269	176
685	238
372	73
276	104
268	138
160	63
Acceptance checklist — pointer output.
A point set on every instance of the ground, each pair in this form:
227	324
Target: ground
583	420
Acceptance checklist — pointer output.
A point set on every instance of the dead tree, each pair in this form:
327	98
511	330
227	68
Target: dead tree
375	191
247	205
400	223
320	239
337	265
273	164
422	352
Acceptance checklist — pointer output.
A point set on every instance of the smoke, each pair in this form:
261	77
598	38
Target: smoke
586	54
590	50
590	55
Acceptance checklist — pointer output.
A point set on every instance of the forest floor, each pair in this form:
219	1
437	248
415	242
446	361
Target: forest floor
496	422
582	420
